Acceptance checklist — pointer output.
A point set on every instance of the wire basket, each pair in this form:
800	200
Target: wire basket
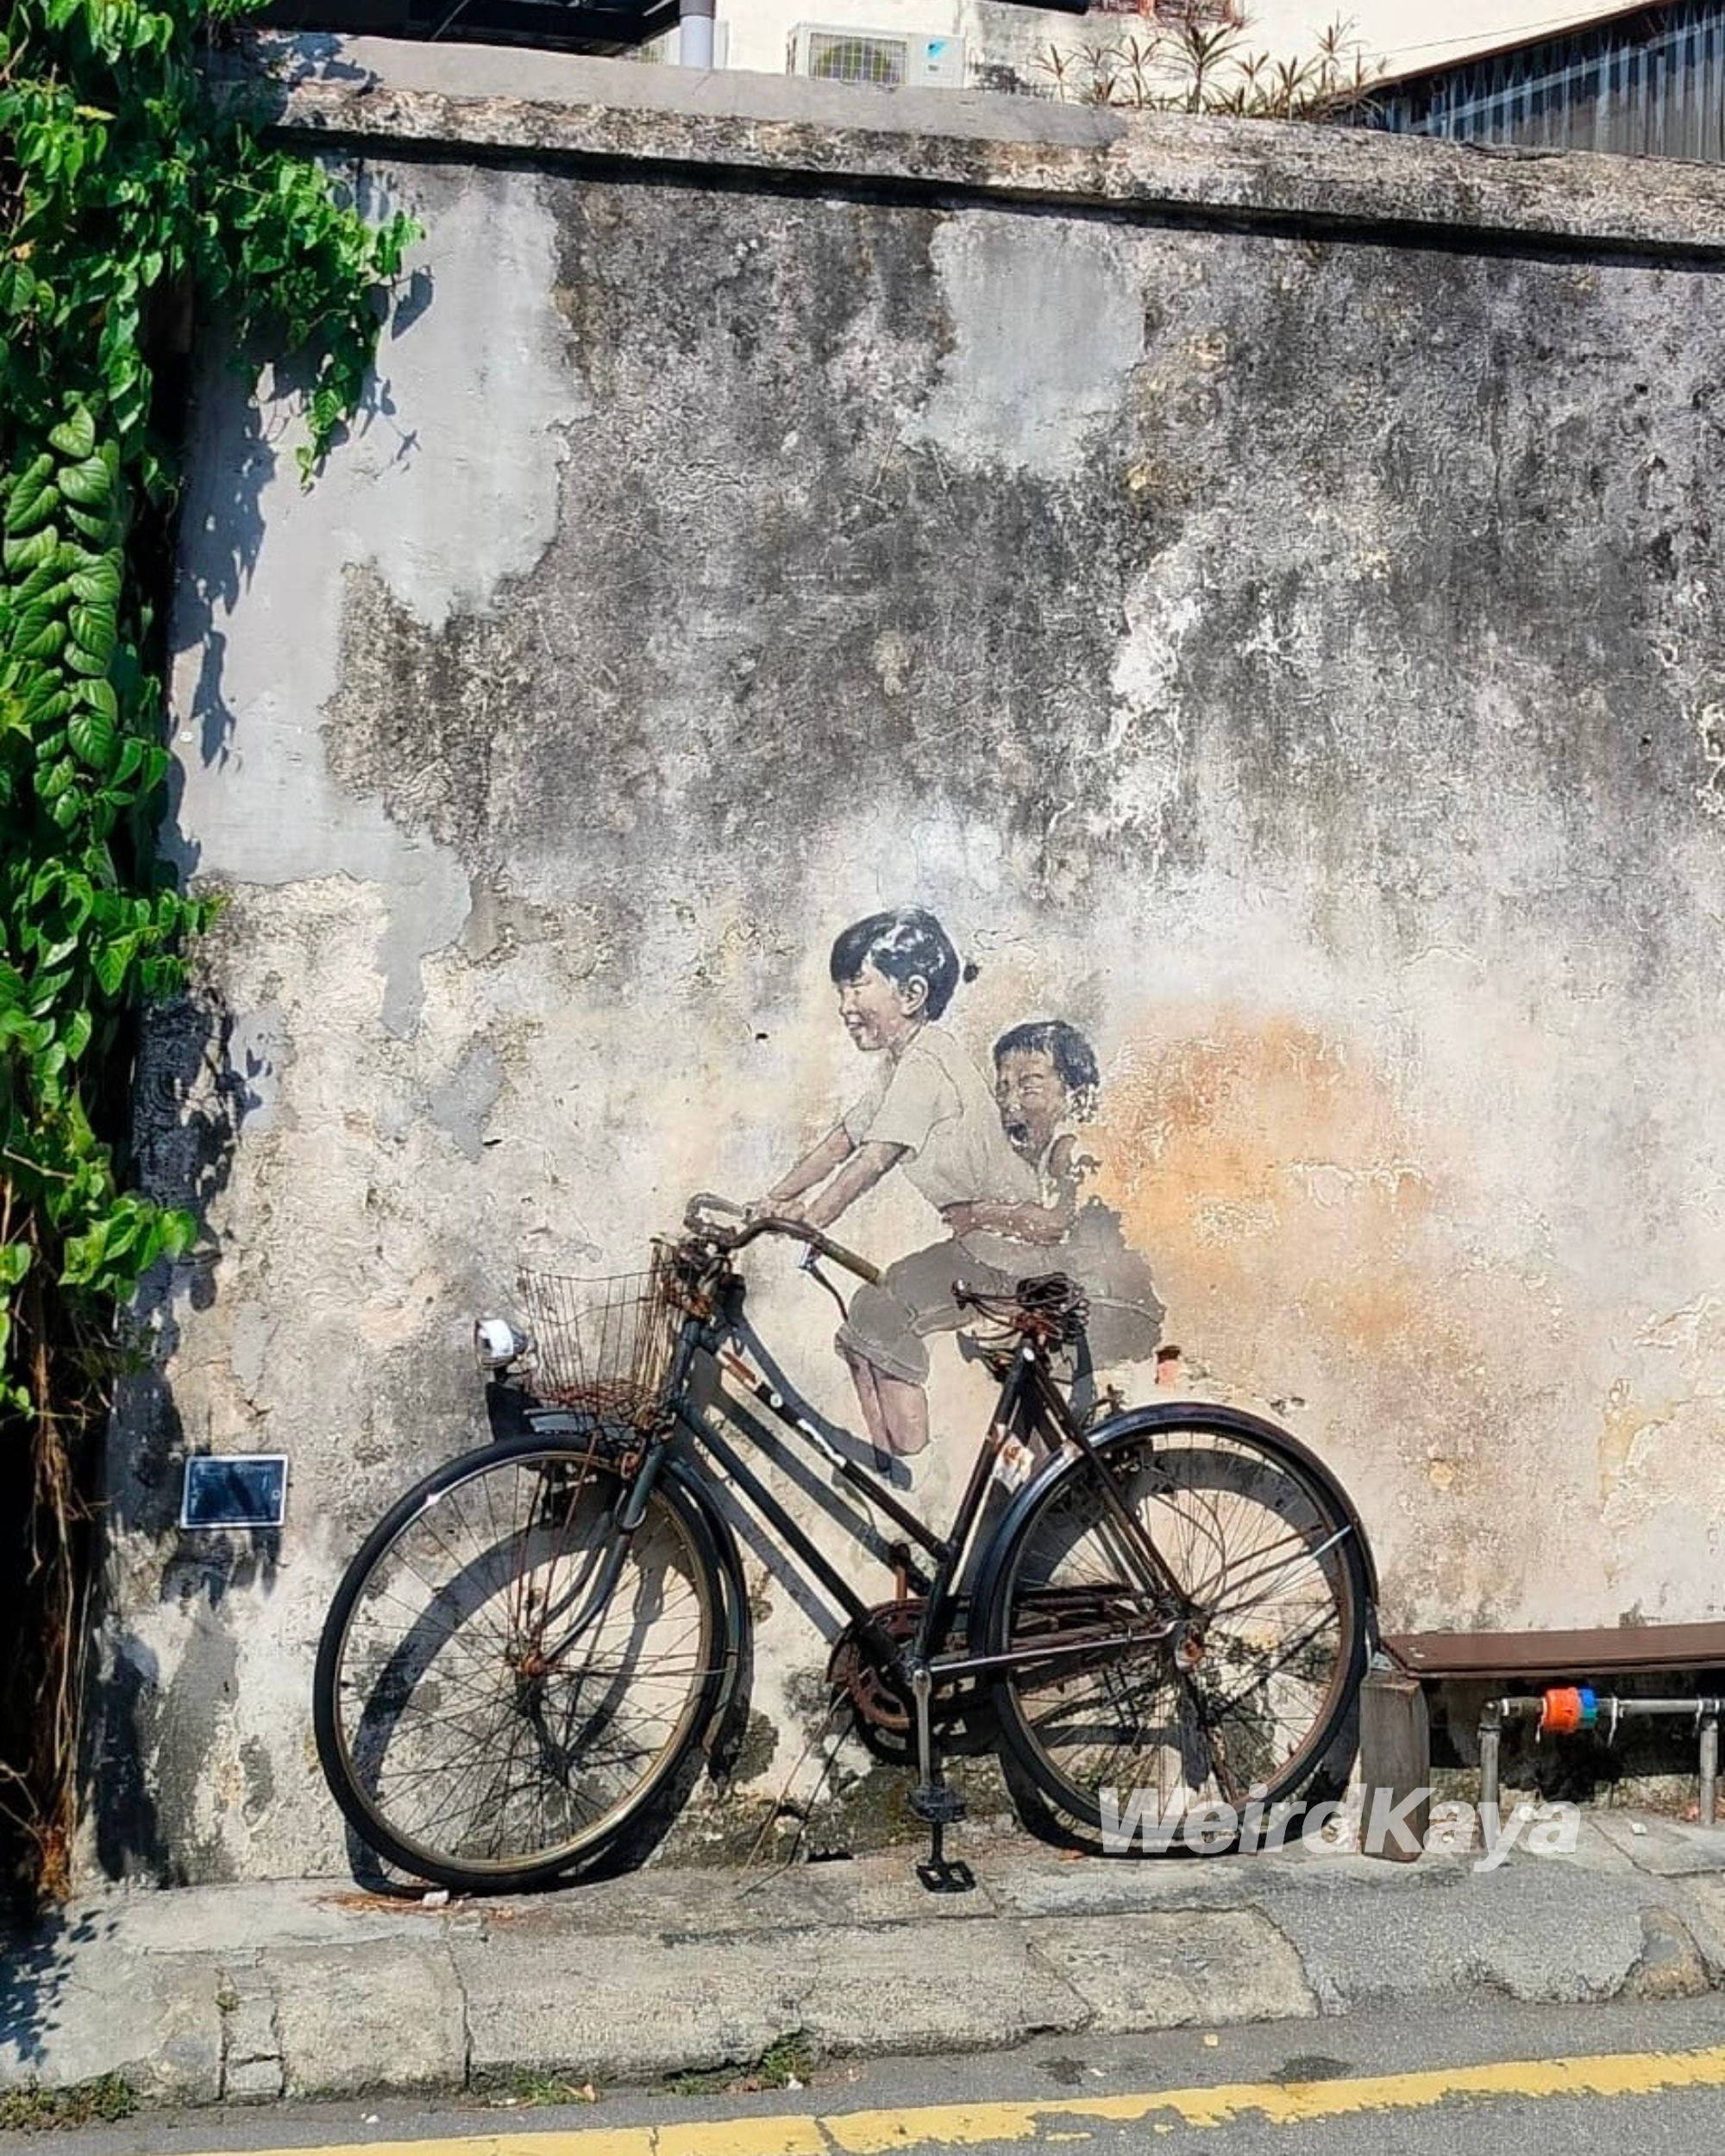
604	1345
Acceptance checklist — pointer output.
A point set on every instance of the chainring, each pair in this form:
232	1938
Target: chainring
881	1703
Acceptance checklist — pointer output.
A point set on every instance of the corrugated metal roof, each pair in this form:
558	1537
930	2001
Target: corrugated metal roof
1648	83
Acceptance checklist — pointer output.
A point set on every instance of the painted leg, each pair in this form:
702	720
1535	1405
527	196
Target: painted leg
903	1408
867	1380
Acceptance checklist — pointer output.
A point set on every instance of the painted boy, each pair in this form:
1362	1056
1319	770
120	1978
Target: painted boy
930	1114
1046	1083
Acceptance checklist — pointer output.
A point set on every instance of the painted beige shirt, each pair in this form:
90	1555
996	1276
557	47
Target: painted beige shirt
936	1104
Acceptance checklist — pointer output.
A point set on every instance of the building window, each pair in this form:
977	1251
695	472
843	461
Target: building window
1207	14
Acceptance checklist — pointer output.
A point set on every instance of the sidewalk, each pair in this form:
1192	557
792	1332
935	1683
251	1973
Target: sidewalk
245	1994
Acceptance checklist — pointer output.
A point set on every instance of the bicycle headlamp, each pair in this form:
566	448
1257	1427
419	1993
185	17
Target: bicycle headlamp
497	1343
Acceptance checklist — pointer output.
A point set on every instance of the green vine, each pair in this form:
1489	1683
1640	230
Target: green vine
136	197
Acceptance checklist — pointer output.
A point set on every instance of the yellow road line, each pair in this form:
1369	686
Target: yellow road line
1055	2119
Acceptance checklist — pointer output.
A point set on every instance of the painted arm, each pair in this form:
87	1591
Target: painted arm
1026	1223
861	1172
813	1167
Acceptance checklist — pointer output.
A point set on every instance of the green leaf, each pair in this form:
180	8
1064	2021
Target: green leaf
59	777
98	583
47	581
100	696
31	496
20	555
92	631
75	1035
109	962
15	1262
88	483
75	437
93	524
17	288
92	735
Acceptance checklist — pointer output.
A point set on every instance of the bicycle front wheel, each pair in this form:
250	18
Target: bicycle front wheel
1247	1697
506	1680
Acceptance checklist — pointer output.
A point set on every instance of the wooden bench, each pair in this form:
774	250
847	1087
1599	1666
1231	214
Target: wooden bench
1611	1651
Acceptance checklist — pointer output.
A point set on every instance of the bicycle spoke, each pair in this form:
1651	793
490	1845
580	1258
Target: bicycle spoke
462	1736
1243	1691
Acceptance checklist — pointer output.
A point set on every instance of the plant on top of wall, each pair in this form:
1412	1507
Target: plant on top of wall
137	195
1200	60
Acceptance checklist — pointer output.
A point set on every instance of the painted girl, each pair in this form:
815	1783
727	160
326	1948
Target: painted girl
929	1113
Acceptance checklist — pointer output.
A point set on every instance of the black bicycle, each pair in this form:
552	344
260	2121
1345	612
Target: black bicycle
1168	1602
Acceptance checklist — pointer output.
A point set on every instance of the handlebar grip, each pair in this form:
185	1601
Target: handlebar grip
848	1259
708	1202
768	1224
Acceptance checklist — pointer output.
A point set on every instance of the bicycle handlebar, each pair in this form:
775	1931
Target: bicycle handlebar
704	1203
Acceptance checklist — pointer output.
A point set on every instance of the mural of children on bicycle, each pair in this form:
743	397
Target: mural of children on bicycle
1002	1166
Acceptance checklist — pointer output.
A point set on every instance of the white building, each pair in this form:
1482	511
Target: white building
984	43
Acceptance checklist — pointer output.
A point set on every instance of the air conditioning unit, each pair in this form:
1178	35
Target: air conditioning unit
883	59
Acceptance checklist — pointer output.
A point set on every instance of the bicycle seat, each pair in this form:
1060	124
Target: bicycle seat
1049	1306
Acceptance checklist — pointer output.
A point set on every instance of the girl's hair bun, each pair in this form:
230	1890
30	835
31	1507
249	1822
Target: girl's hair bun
971	970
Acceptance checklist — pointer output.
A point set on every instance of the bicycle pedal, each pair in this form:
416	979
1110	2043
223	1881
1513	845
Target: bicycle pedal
936	1804
947	1874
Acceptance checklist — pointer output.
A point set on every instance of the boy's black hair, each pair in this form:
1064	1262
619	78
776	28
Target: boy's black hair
1066	1048
906	946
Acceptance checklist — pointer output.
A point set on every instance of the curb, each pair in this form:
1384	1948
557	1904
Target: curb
638	1980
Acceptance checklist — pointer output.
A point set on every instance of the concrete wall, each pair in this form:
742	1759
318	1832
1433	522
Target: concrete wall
1260	588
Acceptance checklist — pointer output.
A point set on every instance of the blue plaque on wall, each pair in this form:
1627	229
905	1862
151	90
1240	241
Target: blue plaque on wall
235	1489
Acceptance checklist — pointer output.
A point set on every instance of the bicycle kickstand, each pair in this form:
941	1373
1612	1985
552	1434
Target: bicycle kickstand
934	1802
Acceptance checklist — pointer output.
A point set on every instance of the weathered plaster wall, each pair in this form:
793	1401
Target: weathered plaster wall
1286	643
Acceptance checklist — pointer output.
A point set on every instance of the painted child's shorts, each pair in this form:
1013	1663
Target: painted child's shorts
888	1325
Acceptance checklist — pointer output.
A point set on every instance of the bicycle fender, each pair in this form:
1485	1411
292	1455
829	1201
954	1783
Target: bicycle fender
724	1730
1134	1422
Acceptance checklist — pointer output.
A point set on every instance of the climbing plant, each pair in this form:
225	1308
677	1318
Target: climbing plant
139	192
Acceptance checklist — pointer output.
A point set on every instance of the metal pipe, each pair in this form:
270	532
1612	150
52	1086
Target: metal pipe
695	34
1490	1727
1627	1707
1705	1711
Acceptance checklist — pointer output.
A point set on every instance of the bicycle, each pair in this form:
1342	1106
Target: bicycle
537	1639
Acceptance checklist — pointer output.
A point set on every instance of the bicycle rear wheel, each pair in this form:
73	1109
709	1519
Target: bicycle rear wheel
1245	1703
505	1680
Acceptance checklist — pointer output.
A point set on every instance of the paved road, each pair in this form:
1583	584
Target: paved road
1405	2085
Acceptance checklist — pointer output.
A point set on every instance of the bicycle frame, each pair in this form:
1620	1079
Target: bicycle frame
1028	1390
1108	1605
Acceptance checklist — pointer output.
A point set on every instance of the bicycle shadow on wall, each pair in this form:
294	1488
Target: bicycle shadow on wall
879	1721
431	1677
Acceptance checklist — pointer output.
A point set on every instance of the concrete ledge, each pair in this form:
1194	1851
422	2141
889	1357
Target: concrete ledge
381	2015
473	102
309	1991
1165	1971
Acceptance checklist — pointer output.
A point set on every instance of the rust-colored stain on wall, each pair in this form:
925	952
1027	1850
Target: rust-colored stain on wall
1266	1166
